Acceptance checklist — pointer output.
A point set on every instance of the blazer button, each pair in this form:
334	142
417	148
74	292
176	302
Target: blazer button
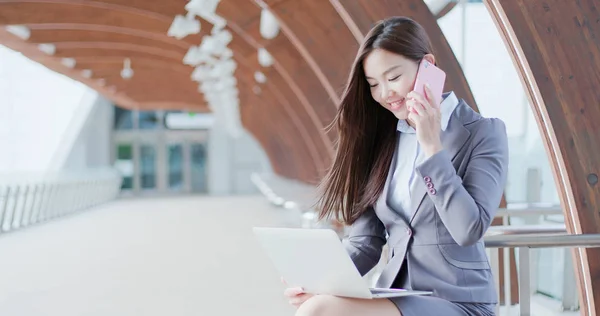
427	179
432	191
430	185
408	231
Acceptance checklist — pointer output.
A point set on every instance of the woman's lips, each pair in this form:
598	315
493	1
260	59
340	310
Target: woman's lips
396	105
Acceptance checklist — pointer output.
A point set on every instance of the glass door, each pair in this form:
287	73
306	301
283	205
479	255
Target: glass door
176	168
147	167
165	162
198	168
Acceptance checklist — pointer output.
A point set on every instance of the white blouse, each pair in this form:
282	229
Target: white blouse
408	155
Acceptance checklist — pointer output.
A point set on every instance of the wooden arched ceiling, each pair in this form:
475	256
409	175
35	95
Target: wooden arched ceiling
100	33
555	49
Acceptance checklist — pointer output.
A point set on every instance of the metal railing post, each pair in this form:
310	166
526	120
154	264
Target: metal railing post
524	281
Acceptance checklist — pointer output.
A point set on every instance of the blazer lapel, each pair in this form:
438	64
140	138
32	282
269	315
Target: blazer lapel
453	139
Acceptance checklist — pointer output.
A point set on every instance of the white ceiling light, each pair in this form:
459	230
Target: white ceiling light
260	77
196	56
19	31
269	27
206	9
225	83
183	26
201	73
49	49
226	54
127	72
223	68
264	58
202	7
216	20
87	73
218	23
215	68
68	62
223	37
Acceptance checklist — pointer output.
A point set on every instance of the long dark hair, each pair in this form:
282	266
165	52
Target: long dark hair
367	131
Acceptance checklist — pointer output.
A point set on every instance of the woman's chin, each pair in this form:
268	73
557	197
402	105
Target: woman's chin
401	113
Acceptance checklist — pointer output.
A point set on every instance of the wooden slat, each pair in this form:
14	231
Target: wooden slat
555	49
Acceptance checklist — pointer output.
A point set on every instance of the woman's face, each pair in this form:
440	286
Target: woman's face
391	77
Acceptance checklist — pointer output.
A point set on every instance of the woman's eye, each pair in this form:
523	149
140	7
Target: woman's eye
395	78
373	85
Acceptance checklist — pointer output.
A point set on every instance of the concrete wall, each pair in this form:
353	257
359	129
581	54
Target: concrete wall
38	108
92	143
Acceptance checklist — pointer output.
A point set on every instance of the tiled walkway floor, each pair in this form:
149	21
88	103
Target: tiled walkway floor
158	256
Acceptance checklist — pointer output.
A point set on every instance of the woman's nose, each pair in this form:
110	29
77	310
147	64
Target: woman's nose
386	92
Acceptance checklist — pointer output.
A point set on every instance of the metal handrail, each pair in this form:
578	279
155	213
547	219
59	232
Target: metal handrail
528	210
526	229
30	198
543	241
524	242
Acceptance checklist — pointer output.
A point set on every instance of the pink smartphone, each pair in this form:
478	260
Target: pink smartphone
434	76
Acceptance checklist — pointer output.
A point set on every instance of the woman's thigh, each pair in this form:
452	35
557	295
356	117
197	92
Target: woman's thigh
328	305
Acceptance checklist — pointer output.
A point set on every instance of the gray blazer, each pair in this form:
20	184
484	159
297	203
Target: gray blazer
456	197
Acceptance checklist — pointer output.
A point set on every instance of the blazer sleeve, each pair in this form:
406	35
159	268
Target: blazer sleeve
467	206
365	241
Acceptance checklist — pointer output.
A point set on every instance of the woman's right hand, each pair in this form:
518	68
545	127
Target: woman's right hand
295	295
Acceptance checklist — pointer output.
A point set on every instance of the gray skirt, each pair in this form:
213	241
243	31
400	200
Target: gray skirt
435	306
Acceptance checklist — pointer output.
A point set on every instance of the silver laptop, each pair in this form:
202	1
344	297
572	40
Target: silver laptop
316	260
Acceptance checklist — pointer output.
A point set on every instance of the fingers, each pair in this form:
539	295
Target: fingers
420	99
296	296
416	107
293	291
299	300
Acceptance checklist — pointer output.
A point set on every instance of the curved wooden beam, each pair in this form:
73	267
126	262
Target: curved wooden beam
248	116
116	63
304	22
54	27
558	67
154	84
81	12
275	87
113	35
287	85
295	73
291	97
449	7
263	109
109	47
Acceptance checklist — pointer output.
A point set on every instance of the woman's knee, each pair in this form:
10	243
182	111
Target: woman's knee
319	305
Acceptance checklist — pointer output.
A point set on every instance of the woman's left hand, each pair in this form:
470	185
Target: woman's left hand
425	114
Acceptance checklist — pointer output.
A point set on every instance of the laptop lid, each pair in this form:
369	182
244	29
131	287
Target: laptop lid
314	259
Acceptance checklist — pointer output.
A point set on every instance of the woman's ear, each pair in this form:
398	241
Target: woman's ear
430	58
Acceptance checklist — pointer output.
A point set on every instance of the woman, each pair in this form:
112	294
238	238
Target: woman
424	176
